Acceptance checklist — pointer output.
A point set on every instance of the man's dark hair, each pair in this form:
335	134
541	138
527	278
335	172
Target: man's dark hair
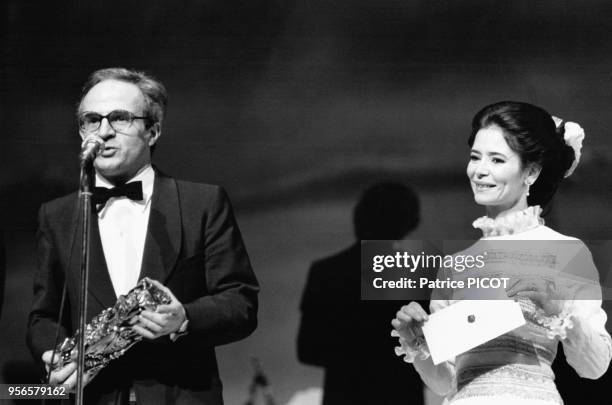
154	93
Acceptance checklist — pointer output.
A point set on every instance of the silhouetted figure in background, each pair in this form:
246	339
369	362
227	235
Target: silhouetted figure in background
348	337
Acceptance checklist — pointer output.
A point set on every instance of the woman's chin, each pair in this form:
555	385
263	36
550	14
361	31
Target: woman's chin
480	200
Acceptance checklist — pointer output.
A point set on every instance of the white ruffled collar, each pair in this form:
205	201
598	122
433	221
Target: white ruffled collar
511	223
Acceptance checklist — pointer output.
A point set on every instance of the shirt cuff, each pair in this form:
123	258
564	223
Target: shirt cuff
182	331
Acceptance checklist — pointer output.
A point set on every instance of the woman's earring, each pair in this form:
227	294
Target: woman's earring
528	185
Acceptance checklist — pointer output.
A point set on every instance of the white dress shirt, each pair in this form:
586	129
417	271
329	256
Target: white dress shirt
123	228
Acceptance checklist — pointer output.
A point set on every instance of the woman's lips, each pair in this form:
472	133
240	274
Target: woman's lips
483	186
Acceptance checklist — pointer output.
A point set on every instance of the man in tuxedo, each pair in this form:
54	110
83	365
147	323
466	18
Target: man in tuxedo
144	224
348	337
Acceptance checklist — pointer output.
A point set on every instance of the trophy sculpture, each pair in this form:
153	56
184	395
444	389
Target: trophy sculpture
109	334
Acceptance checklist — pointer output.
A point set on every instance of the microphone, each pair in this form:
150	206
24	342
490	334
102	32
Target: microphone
90	148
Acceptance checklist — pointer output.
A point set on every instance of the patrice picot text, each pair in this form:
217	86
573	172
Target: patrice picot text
428	262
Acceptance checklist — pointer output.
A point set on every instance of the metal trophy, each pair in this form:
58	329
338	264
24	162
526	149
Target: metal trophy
109	334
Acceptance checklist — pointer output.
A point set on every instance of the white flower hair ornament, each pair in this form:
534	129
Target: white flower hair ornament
573	135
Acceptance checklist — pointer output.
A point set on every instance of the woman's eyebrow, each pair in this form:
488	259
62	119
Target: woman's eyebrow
497	154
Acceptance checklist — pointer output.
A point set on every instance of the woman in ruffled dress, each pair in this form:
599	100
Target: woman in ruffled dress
519	155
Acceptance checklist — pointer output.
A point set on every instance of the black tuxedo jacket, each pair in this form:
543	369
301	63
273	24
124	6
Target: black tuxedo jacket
194	247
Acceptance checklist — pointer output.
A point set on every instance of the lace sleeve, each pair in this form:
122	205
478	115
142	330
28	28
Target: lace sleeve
586	343
411	350
441	378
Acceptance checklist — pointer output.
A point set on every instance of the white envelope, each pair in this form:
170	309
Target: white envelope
467	324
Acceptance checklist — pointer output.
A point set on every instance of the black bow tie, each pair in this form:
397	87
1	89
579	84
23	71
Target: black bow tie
101	195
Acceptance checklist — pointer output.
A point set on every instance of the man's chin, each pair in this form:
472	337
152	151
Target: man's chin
107	170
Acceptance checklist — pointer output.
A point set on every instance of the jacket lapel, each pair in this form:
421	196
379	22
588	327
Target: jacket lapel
100	286
163	240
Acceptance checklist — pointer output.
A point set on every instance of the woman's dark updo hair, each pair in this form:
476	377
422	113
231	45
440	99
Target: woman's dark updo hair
531	132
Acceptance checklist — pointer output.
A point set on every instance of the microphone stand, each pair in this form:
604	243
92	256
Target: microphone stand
85	193
259	383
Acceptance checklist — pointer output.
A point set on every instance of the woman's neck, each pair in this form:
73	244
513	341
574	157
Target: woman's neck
497	212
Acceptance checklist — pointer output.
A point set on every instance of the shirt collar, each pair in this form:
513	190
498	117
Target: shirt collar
146	175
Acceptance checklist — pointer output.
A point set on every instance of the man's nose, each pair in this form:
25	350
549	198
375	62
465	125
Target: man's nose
106	130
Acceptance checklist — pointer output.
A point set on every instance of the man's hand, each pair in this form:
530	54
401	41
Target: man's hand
67	374
165	320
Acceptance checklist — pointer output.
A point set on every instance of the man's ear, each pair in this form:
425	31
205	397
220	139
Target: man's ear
154	133
533	171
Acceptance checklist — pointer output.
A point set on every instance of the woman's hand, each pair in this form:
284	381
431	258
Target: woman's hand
546	294
408	321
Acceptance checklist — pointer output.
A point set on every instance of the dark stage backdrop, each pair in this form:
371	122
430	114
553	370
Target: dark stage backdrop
295	106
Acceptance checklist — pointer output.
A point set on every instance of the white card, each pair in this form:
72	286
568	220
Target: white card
467	324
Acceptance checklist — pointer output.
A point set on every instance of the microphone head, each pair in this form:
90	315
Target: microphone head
91	148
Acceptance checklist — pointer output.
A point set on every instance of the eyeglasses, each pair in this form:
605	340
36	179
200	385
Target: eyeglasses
119	120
